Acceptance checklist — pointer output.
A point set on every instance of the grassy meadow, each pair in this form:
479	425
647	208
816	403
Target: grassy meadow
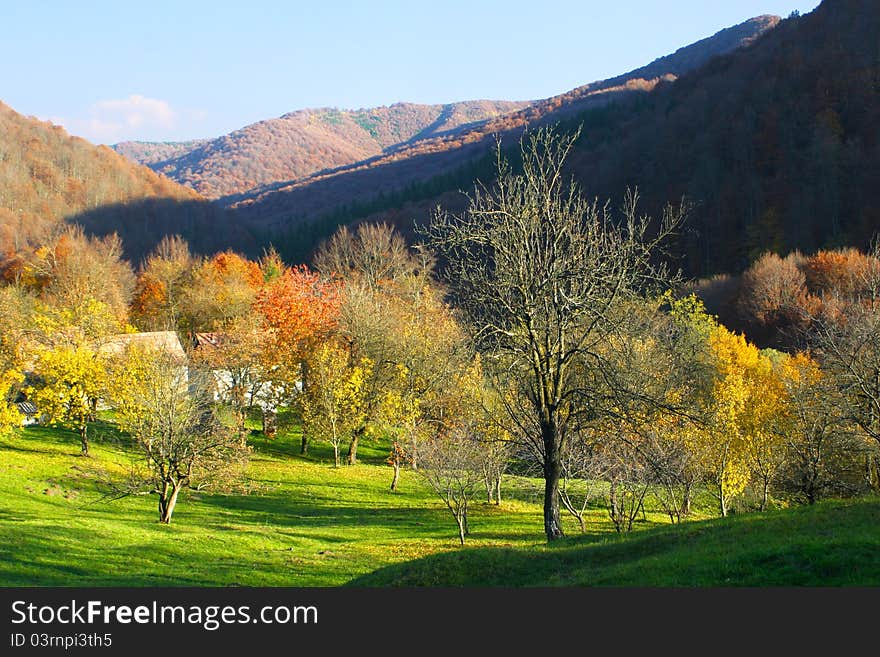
304	523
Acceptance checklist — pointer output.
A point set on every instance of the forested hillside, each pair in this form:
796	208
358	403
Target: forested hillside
304	142
48	177
423	167
774	145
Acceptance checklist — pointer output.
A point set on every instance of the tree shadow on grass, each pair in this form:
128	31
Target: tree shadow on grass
322	511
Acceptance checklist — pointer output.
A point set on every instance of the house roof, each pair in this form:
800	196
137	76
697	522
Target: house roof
166	341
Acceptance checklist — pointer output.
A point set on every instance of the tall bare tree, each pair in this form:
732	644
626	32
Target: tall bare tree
538	269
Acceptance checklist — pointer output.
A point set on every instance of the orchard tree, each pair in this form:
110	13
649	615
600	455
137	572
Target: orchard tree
301	311
77	268
220	289
373	255
392	313
180	443
538	270
161	282
739	439
849	352
846	342
239	364
451	465
72	380
824	456
332	405
584	469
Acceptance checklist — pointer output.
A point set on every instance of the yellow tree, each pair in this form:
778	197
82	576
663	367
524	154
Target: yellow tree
73	378
14	318
766	415
739	435
333	403
9	415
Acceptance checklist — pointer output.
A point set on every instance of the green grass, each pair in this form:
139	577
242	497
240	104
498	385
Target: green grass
307	524
832	544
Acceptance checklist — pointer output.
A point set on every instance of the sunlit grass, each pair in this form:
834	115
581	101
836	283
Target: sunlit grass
305	523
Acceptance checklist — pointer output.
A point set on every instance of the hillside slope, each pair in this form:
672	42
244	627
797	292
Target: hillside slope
775	145
831	544
304	142
48	177
418	161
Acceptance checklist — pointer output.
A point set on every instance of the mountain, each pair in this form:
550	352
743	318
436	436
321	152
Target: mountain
154	152
294	206
301	143
48	177
775	145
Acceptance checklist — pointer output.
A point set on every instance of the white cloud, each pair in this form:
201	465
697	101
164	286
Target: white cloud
134	117
135	111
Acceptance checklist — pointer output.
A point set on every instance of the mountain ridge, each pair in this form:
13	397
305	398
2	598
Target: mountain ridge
303	142
305	145
306	198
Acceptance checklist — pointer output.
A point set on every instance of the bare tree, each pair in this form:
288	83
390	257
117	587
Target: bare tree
584	473
389	312
823	452
452	465
179	441
630	480
537	270
849	350
372	254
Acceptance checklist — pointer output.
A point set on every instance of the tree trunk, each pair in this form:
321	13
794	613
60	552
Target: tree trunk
162	503
552	475
498	490
84	438
464	515
396	477
460	522
335	454
765	495
353	445
270	423
612	505
304	445
166	506
686	504
488	483
722	499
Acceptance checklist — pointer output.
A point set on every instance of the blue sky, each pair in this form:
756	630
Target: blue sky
171	70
